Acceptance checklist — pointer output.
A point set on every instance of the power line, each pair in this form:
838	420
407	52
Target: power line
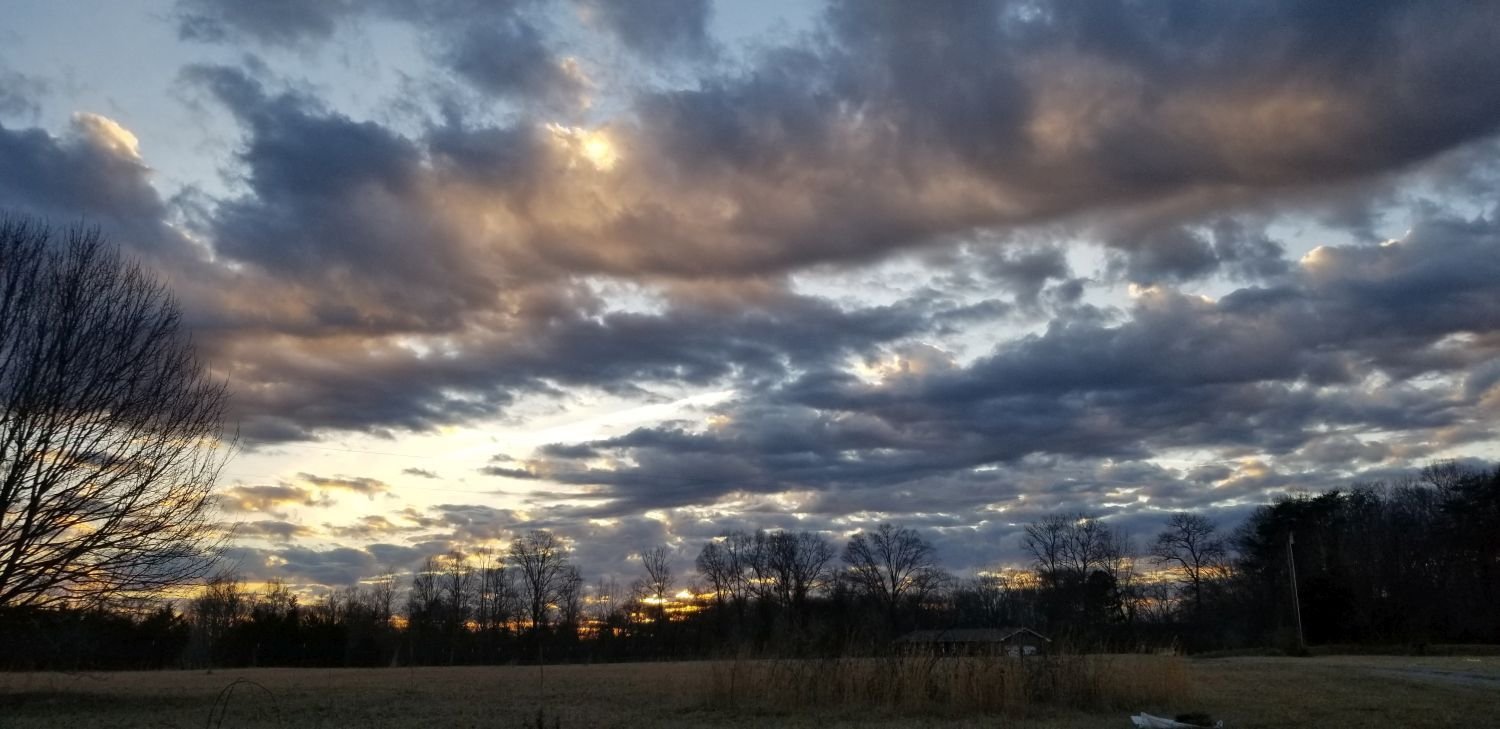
419	487
284	444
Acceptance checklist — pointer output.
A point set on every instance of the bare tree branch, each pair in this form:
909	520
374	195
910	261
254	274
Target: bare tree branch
110	427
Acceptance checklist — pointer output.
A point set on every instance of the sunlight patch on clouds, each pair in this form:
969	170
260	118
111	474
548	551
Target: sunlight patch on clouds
108	134
593	146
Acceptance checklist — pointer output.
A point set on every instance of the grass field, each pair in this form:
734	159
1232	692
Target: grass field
1328	692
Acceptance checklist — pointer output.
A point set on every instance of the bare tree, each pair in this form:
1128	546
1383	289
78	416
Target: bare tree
606	600
1046	541
1087	546
425	598
110	428
456	586
659	578
541	559
570	600
1070	547
456	596
713	566
1001	598
495	600
381	597
797	564
221	605
1119	556
894	566
1192	548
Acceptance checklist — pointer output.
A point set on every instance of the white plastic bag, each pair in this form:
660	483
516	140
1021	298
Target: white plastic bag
1147	721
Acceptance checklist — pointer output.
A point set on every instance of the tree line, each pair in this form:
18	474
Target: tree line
1413	563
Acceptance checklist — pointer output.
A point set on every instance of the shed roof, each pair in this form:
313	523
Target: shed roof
968	635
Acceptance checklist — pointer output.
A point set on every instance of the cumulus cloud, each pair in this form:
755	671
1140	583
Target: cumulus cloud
866	142
271	500
546	232
1271	369
495	47
94	169
356	484
655	28
270	529
369	528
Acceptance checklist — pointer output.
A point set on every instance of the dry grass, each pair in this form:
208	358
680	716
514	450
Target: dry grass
1248	693
949	686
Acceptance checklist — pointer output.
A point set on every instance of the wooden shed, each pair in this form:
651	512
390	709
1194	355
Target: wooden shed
976	641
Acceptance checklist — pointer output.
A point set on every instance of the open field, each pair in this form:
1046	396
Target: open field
1327	692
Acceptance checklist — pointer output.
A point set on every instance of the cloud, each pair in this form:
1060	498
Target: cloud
95	169
278	22
307	567
357	484
368	528
982	180
862	141
276	530
269	499
655	28
511	60
495	47
421	473
20	93
1343	346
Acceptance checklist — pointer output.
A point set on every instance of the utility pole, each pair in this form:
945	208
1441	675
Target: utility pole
1291	562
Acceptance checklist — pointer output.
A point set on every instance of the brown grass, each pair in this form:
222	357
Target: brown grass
1340	692
948	686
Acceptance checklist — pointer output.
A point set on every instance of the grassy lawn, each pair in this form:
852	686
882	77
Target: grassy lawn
1327	692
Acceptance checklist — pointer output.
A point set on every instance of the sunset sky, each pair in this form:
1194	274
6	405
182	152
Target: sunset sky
640	272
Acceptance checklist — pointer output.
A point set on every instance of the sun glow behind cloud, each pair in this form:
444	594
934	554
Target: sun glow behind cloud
592	145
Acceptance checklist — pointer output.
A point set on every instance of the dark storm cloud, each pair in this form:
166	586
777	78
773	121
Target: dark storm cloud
655	28
1271	369
1025	271
1180	252
837	152
695	341
1057	112
337	205
367	277
868	139
93	173
511	59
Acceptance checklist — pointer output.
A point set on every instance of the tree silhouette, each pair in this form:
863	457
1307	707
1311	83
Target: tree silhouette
894	566
1191	547
110	437
542	561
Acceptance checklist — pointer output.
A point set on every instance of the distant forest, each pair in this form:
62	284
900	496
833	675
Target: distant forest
1412	564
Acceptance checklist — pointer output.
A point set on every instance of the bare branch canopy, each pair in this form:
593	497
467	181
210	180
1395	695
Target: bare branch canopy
110	427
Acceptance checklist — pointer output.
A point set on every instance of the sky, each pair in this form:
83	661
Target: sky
642	272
